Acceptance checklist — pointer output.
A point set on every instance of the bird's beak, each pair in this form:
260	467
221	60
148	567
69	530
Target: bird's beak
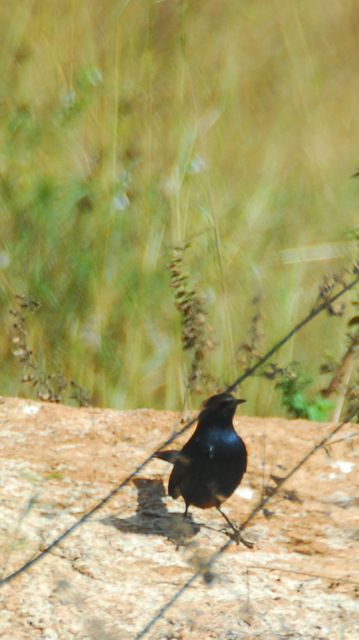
240	400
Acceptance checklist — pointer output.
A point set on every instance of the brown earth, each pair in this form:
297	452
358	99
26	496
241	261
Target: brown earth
109	578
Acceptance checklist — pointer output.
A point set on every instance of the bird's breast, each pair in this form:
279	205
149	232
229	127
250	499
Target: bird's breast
222	443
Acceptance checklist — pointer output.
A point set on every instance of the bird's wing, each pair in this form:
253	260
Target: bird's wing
180	470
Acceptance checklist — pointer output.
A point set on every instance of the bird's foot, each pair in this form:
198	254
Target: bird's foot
236	535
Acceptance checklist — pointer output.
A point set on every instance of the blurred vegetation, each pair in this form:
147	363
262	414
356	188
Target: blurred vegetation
130	128
292	386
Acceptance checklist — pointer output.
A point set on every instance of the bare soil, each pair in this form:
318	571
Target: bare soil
112	575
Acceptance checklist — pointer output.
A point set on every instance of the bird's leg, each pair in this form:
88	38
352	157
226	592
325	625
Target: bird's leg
228	520
237	532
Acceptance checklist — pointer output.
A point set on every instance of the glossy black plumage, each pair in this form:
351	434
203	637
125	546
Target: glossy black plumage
212	463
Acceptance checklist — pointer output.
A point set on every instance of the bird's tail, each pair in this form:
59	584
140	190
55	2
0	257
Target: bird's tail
169	456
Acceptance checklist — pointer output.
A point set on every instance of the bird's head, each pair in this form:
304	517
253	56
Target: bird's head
222	405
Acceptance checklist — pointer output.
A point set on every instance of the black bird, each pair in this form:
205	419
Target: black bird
212	463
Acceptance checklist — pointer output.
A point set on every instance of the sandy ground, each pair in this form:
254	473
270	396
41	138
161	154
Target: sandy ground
112	575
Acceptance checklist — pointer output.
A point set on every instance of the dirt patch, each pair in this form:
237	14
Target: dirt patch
115	572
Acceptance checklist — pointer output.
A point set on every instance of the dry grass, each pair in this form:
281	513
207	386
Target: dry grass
127	128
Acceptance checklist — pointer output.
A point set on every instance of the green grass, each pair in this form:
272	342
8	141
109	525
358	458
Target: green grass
127	128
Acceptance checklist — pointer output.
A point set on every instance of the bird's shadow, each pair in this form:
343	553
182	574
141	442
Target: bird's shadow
152	517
